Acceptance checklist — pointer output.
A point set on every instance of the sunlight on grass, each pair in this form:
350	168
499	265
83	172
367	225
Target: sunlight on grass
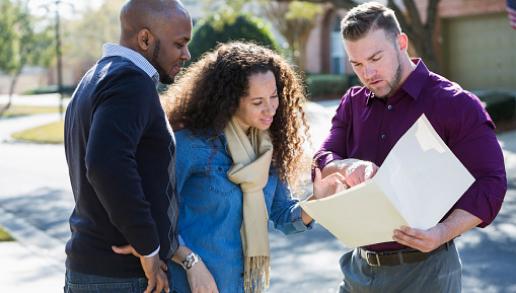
4	236
16	111
48	133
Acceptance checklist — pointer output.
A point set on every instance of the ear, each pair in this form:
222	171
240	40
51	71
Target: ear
402	42
145	39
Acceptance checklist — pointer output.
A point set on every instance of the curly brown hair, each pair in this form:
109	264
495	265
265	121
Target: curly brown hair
207	94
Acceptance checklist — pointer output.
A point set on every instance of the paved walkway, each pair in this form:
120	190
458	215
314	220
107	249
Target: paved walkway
23	270
15	124
33	100
36	200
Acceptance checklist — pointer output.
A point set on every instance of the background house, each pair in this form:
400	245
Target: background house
475	43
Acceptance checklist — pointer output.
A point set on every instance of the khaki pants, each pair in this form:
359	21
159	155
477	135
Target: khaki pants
440	272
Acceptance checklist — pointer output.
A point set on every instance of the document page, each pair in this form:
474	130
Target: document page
422	176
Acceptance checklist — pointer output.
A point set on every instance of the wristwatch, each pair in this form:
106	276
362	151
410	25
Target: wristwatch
190	260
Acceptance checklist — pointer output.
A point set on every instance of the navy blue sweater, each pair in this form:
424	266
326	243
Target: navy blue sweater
120	154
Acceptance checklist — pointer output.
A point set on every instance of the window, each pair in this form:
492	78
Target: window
337	53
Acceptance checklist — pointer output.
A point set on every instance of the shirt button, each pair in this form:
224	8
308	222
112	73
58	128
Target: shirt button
383	136
389	107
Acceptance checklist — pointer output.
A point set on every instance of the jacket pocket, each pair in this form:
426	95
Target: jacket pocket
219	181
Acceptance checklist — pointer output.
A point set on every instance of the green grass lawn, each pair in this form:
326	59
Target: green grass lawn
4	236
15	111
48	133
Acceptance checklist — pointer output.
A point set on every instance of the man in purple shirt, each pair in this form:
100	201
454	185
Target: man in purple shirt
368	123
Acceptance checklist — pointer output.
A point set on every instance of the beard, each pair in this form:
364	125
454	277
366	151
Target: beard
164	77
392	84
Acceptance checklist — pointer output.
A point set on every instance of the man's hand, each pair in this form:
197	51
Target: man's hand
359	172
200	279
153	267
329	185
457	223
355	171
422	240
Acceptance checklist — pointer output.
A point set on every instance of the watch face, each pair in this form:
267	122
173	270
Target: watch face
190	260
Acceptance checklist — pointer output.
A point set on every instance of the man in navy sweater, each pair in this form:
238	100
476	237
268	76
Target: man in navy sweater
120	153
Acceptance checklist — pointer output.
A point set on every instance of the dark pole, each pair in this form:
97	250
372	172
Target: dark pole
59	61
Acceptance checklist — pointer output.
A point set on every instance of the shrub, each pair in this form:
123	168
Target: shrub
222	28
51	89
326	86
500	105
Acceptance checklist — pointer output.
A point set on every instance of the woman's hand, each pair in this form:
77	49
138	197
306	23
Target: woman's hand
328	185
331	184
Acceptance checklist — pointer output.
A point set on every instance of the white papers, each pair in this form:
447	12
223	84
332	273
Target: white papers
416	185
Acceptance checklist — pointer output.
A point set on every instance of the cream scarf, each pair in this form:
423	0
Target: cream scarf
252	157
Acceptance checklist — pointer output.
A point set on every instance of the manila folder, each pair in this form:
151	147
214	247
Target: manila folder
416	185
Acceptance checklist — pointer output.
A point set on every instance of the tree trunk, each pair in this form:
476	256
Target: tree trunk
425	49
12	86
421	34
303	58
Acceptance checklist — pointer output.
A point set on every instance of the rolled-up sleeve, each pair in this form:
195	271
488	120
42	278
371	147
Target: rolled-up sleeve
286	211
476	146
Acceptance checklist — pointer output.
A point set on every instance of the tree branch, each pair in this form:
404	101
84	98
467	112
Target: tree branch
402	18
413	12
431	12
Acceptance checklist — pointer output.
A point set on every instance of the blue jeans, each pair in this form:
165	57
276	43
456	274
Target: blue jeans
83	283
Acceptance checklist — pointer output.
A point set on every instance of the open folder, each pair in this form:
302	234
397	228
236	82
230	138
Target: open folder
417	184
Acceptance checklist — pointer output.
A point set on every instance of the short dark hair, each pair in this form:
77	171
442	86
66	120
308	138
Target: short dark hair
367	17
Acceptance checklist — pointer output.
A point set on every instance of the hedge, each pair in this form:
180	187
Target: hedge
501	105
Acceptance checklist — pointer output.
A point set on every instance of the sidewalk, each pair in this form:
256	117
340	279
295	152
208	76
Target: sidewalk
34	100
12	125
24	271
36	200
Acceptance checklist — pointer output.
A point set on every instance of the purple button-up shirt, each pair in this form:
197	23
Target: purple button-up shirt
367	128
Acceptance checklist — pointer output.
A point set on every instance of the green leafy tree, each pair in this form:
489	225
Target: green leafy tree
294	21
21	43
84	36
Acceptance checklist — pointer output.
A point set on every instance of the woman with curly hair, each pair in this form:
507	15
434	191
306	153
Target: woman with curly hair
240	126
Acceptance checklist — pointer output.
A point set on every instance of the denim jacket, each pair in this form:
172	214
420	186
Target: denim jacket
210	210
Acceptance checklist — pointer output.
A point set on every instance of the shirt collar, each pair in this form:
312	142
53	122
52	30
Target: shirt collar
416	80
413	85
136	58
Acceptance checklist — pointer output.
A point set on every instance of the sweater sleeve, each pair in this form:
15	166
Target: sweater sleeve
120	118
